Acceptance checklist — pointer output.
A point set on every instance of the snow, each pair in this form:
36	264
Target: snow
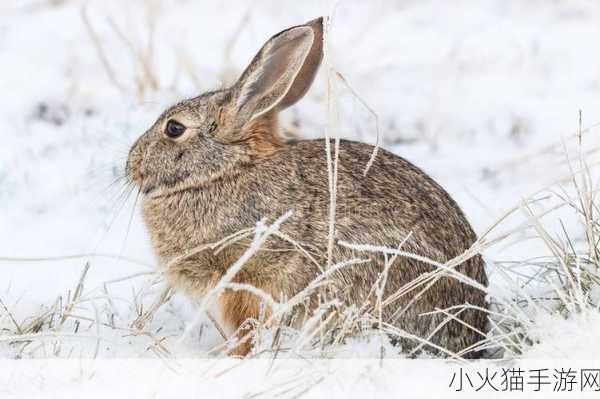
484	96
557	337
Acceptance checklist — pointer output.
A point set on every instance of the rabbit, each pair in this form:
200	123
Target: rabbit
216	164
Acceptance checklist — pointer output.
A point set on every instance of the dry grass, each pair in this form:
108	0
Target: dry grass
145	79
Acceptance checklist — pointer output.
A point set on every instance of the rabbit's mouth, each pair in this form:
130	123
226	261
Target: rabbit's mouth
167	185
147	189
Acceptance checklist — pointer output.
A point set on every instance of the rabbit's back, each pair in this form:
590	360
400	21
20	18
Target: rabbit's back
394	198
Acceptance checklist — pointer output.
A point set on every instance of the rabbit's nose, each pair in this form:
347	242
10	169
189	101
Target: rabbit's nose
133	171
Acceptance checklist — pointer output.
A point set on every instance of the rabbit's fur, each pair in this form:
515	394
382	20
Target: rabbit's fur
230	169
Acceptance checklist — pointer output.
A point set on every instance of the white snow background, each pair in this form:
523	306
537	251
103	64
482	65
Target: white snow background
483	95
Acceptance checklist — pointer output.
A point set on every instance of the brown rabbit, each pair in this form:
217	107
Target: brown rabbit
213	165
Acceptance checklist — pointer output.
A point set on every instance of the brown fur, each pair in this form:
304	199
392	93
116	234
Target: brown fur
216	181
238	308
257	136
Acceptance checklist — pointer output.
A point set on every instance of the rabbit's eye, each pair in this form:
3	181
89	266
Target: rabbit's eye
174	129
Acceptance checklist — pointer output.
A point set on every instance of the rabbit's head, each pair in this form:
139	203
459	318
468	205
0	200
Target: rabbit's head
203	138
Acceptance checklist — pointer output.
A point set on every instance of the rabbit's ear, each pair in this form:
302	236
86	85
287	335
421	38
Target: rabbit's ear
309	69
281	72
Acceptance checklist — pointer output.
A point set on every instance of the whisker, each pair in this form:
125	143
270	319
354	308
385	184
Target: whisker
123	197
122	179
129	223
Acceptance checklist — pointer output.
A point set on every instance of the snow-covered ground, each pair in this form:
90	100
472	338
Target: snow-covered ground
483	95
